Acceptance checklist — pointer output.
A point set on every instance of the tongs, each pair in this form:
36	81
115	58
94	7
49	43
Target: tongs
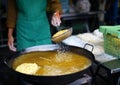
62	33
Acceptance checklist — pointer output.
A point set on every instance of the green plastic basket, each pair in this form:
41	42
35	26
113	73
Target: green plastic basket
111	36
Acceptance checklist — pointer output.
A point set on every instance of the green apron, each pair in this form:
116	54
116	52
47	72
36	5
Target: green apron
32	26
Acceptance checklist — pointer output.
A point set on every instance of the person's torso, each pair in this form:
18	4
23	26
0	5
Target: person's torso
32	25
31	9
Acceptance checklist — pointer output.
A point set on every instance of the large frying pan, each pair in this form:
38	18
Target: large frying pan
50	80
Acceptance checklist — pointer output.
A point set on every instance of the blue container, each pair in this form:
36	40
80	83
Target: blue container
65	5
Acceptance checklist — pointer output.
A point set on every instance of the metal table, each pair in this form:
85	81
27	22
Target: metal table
83	17
109	71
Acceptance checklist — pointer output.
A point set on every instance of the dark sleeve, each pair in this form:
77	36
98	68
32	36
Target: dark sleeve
54	5
11	13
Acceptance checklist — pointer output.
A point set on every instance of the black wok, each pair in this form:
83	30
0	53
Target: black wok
50	80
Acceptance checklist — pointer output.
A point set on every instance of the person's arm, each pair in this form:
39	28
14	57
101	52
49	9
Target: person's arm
11	40
11	13
54	7
11	22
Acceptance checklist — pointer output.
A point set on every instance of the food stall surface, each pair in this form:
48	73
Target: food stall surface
104	60
8	78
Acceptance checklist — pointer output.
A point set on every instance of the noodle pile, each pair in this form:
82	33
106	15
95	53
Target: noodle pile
28	68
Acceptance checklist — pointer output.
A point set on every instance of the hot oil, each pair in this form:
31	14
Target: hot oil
62	47
54	62
61	54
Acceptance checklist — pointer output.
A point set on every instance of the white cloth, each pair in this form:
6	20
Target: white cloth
98	50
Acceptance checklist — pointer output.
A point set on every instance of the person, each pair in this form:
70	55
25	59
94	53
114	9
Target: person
31	23
111	14
102	4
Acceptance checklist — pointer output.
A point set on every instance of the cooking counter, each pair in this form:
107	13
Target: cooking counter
107	66
74	40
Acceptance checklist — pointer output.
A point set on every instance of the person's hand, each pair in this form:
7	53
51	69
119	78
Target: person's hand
56	21
11	43
11	40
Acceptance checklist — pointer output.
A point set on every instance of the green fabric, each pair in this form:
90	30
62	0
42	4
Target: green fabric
110	29
32	24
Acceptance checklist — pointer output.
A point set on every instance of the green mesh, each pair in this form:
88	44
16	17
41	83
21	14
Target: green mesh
111	39
112	45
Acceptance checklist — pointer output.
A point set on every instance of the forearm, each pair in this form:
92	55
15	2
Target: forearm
11	39
10	32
